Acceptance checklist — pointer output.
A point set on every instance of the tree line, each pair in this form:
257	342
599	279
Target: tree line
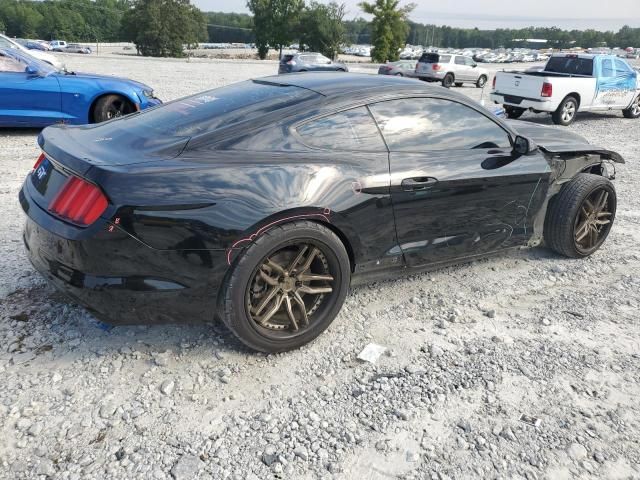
162	27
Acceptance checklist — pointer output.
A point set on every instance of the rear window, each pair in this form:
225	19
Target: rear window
214	109
286	58
570	65
430	58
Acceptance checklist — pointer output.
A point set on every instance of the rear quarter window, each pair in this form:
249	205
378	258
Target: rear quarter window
351	130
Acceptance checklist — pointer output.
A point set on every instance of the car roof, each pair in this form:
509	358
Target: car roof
338	84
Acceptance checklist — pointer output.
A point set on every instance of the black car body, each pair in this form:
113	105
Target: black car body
309	62
189	187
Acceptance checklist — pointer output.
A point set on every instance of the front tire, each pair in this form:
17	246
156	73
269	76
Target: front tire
634	110
110	107
482	81
580	217
286	288
566	112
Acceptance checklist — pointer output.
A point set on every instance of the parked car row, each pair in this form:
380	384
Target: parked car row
9	43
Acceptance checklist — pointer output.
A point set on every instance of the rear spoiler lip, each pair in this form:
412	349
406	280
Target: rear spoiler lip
582	149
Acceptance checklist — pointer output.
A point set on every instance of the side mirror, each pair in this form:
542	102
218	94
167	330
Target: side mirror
31	70
474	65
524	146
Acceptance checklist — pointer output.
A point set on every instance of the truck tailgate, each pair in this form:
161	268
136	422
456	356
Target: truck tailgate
519	85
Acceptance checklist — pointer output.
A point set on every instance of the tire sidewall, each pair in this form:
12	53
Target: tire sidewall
482	81
243	271
563	104
448	80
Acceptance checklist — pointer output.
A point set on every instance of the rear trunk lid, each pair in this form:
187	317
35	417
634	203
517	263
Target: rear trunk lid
80	148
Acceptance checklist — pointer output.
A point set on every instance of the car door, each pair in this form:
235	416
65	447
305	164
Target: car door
457	187
615	85
628	80
28	99
472	68
461	70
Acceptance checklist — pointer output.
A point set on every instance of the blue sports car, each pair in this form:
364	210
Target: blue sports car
35	94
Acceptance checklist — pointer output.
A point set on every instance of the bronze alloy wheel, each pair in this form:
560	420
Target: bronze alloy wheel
288	289
593	221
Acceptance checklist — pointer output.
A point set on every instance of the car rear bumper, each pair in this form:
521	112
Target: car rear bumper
433	76
119	279
523	102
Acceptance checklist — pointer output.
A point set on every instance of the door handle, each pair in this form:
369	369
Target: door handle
418	183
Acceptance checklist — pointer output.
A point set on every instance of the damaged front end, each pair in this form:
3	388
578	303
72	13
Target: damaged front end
566	160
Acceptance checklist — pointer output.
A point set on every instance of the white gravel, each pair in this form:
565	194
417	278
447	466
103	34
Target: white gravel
471	349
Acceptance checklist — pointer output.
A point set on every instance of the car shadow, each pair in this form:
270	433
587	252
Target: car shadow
68	332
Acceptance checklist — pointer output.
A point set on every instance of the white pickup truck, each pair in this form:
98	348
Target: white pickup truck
570	83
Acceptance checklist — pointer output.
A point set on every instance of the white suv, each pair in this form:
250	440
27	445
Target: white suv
450	69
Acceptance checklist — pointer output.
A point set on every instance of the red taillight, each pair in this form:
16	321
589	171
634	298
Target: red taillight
39	162
494	82
547	90
79	201
436	67
291	62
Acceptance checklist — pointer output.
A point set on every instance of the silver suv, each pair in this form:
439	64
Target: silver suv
450	69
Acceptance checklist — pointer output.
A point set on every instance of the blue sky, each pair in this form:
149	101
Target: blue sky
490	14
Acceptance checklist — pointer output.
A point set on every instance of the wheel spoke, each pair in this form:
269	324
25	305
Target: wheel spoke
275	266
261	306
313	277
298	258
602	222
302	306
270	313
604	214
593	237
602	201
582	230
270	280
292	317
309	260
589	205
314	290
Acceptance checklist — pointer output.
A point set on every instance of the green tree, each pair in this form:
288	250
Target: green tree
322	28
389	27
275	23
161	28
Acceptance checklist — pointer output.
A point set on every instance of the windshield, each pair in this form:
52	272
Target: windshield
208	111
572	65
26	59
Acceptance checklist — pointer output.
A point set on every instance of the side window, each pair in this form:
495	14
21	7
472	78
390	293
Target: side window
430	124
445	59
349	130
460	61
622	67
469	61
8	64
607	68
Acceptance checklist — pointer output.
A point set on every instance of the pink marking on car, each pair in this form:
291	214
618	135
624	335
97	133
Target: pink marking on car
250	238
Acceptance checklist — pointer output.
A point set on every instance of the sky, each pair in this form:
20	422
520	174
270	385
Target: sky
491	14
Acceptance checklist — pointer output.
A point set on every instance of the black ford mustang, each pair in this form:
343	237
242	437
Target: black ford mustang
264	200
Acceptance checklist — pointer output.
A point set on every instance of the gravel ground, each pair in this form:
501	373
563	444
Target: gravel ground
521	366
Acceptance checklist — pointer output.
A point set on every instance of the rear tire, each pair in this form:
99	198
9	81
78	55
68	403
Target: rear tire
634	110
575	224
482	81
110	107
448	80
514	112
255	287
566	112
